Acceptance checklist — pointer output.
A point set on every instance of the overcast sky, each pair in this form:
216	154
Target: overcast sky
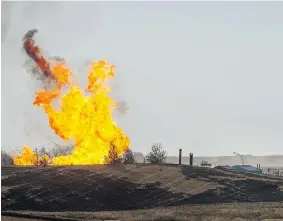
206	77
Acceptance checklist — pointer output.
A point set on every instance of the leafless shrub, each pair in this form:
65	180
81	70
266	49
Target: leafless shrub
44	158
36	162
61	150
6	159
157	154
113	156
128	157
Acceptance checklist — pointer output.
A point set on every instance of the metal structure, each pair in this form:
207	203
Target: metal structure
180	156
191	159
205	164
235	153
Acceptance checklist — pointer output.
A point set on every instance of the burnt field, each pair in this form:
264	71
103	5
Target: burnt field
130	187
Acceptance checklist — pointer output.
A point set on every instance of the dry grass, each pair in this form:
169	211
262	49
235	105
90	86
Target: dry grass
238	211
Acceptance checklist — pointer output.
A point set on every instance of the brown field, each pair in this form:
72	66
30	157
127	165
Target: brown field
138	192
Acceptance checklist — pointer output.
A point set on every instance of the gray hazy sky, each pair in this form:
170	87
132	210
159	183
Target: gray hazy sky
206	77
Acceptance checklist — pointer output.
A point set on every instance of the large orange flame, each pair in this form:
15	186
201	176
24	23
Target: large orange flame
85	119
28	157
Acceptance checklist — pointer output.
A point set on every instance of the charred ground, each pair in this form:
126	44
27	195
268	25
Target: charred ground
129	187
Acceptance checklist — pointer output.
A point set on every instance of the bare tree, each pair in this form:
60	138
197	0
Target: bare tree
157	154
6	159
66	150
61	150
36	163
112	157
128	157
43	159
55	152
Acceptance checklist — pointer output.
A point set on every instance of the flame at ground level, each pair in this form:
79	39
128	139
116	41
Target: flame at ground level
85	119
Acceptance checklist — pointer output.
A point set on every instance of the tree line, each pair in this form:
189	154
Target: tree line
157	155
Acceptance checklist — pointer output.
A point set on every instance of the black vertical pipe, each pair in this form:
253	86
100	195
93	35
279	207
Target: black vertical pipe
191	159
180	156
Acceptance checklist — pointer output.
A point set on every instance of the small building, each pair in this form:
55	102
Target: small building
246	169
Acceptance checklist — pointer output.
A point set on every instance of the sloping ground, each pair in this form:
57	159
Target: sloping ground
128	187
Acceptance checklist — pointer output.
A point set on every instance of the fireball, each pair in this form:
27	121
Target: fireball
85	116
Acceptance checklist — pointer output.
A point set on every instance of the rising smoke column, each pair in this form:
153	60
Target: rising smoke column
33	52
41	67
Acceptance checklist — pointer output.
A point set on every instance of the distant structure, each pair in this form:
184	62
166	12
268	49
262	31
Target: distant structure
273	171
205	164
191	159
180	156
139	157
240	156
272	162
247	169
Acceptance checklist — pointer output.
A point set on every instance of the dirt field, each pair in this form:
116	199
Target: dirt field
139	192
